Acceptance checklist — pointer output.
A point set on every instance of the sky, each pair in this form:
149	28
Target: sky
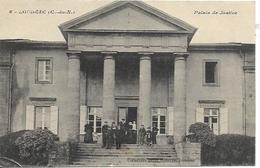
212	28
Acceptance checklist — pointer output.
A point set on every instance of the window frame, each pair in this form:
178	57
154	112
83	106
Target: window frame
42	124
217	73
211	116
37	81
159	120
95	118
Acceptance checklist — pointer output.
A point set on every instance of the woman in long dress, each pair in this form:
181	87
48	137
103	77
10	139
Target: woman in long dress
88	138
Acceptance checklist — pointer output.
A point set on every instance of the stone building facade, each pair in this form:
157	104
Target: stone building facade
126	60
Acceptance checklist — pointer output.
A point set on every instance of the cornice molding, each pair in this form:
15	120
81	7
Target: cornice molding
249	69
42	99
212	101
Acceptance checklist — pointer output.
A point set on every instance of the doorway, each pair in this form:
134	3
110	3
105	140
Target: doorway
130	115
127	113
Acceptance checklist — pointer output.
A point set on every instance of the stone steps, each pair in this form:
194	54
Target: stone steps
128	155
125	157
128	164
124	163
128	146
125	150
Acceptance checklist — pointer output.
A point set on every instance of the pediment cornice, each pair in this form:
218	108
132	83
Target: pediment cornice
175	25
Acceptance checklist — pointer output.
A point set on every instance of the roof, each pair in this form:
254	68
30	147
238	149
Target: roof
26	43
221	46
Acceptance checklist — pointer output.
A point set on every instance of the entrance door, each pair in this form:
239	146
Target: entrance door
127	113
130	115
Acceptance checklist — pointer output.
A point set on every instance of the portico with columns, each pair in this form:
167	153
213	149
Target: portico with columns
112	63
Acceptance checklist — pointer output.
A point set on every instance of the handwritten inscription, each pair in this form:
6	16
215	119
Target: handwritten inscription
230	12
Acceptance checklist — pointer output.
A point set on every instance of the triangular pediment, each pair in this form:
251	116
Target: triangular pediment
127	16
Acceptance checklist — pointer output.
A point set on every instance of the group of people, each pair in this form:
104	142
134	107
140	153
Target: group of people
118	134
147	136
123	133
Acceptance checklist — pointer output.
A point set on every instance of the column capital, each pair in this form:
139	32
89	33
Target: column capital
73	54
145	55
180	55
107	57
108	54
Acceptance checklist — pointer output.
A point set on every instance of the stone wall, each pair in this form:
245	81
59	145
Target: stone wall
189	153
61	153
25	86
229	69
249	92
5	72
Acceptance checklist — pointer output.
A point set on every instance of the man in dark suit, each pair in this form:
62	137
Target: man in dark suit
141	135
149	136
154	133
104	134
124	127
109	138
119	136
113	130
88	138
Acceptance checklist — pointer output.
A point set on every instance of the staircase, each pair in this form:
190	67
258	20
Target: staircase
128	155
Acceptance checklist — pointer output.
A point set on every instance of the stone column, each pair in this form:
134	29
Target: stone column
144	112
109	113
179	96
72	116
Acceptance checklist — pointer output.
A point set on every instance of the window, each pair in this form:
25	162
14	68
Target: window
211	118
210	68
210	72
95	118
159	119
42	117
44	70
42	114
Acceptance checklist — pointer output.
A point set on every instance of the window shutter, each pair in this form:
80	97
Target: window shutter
170	119
223	121
83	114
200	115
54	119
29	117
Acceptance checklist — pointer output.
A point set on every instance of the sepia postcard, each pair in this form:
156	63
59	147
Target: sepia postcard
103	83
